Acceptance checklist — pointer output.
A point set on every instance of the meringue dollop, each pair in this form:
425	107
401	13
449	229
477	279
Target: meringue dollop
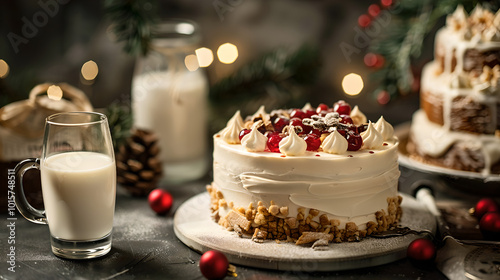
334	143
372	139
293	145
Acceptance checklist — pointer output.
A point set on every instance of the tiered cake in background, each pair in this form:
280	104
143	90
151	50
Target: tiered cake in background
458	125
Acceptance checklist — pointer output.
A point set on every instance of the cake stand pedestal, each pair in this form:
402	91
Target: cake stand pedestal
195	228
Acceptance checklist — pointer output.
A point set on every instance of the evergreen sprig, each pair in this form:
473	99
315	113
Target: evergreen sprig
402	41
132	22
120	122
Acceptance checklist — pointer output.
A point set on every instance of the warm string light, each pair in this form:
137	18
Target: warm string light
89	70
4	69
191	62
54	92
205	56
352	84
227	53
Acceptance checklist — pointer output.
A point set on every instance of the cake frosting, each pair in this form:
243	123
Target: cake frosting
458	125
317	184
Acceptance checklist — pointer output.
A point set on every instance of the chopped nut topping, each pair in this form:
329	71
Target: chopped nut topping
273	223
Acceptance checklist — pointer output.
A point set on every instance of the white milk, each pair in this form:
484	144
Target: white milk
174	106
79	190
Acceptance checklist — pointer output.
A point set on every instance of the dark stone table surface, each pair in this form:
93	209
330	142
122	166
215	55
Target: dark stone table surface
145	247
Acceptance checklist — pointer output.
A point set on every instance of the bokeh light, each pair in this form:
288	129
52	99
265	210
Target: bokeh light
90	70
4	69
191	62
352	84
227	53
205	56
54	92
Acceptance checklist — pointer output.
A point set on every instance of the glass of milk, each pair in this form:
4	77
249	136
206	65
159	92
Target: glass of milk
170	97
78	176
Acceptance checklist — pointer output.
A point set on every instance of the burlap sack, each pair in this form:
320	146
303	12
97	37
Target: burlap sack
22	123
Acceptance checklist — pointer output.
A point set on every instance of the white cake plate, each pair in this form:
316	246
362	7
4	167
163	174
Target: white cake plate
195	228
441	179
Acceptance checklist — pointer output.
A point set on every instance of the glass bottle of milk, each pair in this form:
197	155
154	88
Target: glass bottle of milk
171	100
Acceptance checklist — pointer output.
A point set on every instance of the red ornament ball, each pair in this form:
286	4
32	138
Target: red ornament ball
484	206
383	97
364	21
374	60
160	201
214	265
386	3
490	225
421	250
374	10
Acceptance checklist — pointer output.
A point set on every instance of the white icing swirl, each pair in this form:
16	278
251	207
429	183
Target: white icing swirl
231	134
458	22
238	119
357	116
307	107
384	128
261	113
488	82
254	141
292	145
334	143
372	139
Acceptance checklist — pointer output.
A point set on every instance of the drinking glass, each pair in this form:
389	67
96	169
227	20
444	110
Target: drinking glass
78	174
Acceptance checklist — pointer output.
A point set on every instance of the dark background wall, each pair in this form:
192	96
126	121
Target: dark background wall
73	32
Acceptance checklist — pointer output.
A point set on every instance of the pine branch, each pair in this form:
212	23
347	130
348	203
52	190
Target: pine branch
132	23
120	123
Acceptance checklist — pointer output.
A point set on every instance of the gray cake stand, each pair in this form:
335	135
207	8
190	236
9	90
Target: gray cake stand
195	228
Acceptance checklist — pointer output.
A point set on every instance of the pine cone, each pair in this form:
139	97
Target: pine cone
138	166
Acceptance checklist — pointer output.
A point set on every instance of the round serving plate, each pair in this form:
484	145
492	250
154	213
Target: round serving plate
442	180
196	229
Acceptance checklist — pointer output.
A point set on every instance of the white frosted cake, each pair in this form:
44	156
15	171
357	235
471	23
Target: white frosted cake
458	126
306	175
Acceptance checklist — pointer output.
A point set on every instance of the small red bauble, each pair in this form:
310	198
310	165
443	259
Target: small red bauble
421	250
490	225
484	206
383	97
364	21
374	10
386	3
160	201
214	265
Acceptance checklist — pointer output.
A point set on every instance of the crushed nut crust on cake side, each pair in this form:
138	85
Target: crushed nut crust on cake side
262	223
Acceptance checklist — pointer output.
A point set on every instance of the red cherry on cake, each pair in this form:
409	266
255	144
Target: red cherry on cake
280	123
343	132
310	113
297	113
298	122
323	113
342	107
273	142
484	206
316	132
354	141
244	132
313	142
322	107
346	119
